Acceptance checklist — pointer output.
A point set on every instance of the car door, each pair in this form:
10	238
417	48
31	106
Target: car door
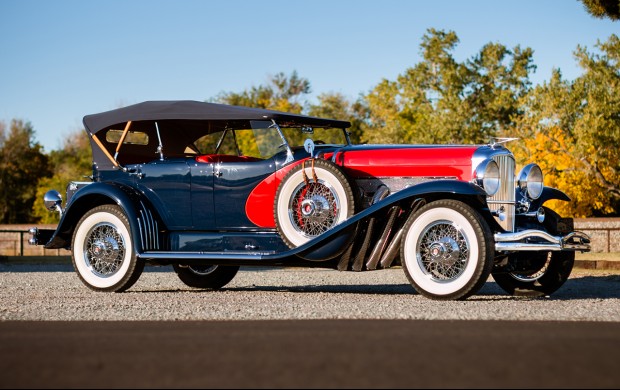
233	183
167	185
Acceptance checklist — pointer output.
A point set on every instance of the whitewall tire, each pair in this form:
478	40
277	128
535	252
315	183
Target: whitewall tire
447	250
102	250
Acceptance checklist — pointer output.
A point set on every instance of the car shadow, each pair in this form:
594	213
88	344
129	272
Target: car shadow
590	287
605	286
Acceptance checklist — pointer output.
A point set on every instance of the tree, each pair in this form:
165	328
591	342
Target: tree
337	106
71	163
573	128
440	100
282	93
22	165
603	8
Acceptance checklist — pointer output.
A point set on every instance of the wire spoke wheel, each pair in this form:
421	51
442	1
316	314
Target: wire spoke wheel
447	250
312	199
443	251
102	250
537	274
314	208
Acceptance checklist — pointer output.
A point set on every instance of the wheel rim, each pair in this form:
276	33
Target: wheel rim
314	208
442	251
104	250
528	278
202	270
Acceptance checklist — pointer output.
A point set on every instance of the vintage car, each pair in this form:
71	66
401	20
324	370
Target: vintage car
209	187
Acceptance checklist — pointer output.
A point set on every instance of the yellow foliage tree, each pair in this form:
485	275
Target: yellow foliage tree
572	129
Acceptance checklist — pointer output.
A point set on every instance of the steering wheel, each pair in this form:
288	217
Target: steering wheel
319	142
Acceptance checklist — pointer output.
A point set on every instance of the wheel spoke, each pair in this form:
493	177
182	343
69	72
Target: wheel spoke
443	251
314	208
104	250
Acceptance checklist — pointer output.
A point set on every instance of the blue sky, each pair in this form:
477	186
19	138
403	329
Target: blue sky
63	59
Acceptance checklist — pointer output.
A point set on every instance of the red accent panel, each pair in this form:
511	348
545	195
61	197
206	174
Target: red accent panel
259	206
409	162
215	158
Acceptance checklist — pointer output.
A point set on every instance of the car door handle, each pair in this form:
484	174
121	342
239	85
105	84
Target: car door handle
136	172
218	174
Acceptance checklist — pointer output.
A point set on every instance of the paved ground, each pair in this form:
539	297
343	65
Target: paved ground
54	292
310	354
302	328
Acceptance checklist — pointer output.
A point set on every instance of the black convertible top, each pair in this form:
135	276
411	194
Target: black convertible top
194	110
177	123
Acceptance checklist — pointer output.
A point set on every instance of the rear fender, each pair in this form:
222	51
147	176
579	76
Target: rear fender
143	225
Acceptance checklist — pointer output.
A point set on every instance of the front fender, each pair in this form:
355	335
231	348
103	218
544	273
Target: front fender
335	241
549	193
97	194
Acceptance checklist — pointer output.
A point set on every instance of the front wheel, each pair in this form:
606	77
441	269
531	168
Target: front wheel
447	250
211	277
102	250
536	274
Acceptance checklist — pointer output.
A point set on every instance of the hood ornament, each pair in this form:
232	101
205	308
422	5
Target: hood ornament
498	141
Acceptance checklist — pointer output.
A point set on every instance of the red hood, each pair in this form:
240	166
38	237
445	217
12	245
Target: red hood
408	161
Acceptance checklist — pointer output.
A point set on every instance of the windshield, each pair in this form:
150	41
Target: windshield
263	140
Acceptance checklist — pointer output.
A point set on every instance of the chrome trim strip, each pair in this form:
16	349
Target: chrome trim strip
141	233
203	255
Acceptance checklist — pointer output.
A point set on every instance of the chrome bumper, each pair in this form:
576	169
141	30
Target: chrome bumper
537	240
40	236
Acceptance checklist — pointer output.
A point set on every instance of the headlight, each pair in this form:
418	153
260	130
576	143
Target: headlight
531	181
53	200
487	176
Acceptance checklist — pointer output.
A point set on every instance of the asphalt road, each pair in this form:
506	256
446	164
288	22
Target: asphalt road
300	328
310	354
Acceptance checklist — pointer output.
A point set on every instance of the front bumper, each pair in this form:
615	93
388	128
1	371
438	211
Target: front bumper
40	236
538	240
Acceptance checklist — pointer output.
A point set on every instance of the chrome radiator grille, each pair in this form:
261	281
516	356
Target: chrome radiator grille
505	196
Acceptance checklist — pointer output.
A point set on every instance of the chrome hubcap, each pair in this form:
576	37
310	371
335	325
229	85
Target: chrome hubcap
314	208
443	251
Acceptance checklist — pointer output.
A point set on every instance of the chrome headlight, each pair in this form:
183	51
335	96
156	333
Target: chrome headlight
530	181
52	200
486	176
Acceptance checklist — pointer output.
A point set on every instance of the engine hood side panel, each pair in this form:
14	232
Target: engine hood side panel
408	161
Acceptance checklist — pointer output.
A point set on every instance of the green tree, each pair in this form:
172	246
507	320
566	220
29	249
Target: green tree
282	93
22	164
71	163
337	106
603	8
573	129
440	100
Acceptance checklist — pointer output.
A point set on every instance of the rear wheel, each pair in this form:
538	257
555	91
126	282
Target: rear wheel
312	198
537	274
447	250
102	250
206	276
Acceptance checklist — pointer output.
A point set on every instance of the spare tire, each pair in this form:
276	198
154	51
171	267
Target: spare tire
308	204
